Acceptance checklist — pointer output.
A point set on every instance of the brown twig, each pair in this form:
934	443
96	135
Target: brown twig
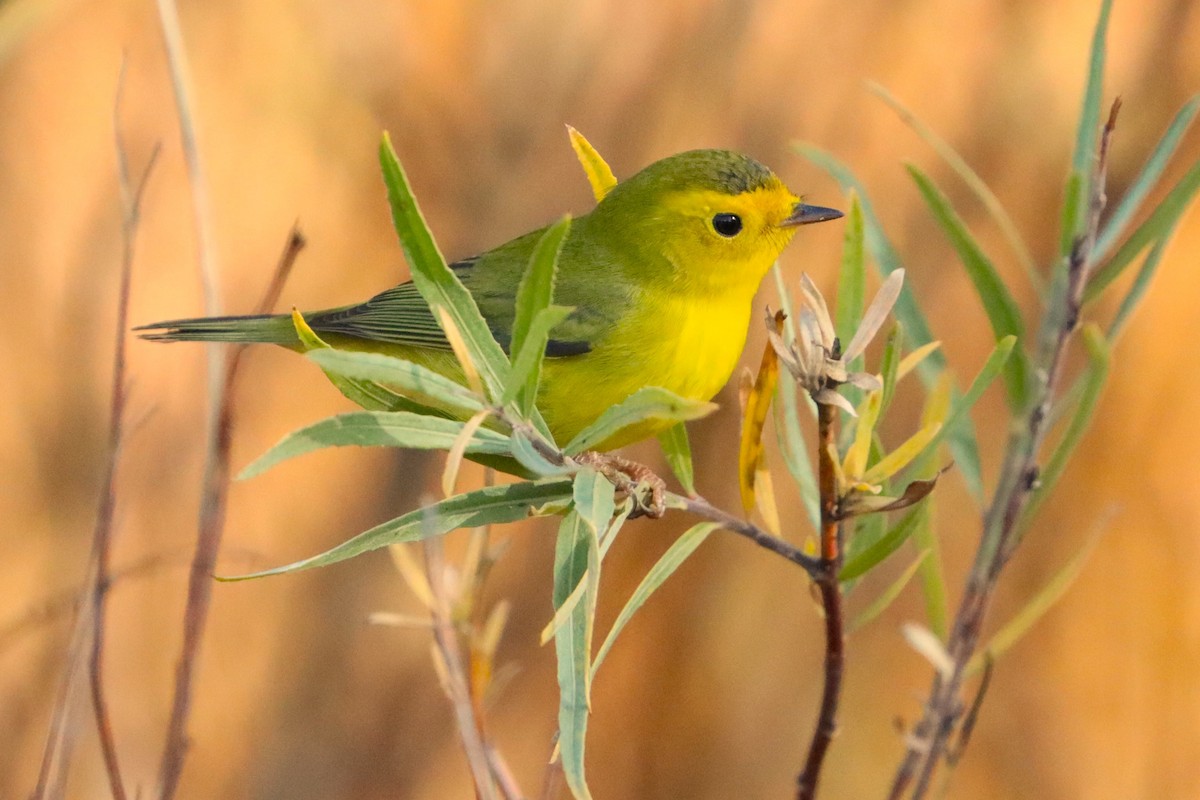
216	463
702	508
99	572
1018	479
830	588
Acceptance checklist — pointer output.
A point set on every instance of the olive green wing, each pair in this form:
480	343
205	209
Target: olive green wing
400	315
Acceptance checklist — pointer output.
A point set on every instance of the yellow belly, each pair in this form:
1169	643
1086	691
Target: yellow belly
689	346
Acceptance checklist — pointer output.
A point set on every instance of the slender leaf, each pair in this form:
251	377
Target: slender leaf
364	393
795	456
933	582
1156	227
889	367
418	383
852	289
572	646
678	452
599	174
1140	284
1145	181
535	293
998	303
754	418
874	554
436	282
855	462
527	455
961	407
527	361
1086	137
664	568
491	504
376	429
961	439
888	596
971	178
648	404
594	497
1012	631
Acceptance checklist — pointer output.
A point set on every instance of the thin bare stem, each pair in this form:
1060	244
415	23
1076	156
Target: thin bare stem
929	739
457	684
216	464
91	625
830	588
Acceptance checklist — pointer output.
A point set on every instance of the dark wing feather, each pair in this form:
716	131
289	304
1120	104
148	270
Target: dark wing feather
401	316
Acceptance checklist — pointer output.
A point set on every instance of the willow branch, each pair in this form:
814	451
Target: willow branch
929	739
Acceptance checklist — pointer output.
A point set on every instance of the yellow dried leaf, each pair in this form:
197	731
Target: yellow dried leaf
754	418
455	457
599	174
459	346
898	459
910	361
864	432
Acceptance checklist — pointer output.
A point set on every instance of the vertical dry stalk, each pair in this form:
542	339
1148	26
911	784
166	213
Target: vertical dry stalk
91	609
929	739
216	466
830	588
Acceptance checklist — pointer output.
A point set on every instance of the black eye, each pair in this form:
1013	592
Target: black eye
728	225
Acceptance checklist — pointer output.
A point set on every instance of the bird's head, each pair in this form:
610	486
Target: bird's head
719	218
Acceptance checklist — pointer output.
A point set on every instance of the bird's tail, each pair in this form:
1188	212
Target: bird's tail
257	329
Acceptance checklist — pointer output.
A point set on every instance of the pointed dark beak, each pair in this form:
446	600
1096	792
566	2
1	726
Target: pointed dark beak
806	215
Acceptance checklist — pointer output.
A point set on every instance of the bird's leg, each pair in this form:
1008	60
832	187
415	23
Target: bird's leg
627	476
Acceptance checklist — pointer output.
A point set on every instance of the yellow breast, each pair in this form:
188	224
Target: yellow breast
686	344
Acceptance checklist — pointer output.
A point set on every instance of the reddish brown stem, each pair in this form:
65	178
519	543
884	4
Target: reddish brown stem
830	588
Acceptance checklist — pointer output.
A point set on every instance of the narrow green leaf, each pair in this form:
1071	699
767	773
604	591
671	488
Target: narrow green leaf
1002	310
491	504
852	289
971	178
961	439
678	452
527	456
649	403
572	646
534	296
676	554
1093	383
1140	284
594	497
889	367
419	384
1086	137
527	361
1012	631
888	596
1145	181
875	553
376	429
791	445
961	407
1072	200
933	582
438	284
1156	227
367	394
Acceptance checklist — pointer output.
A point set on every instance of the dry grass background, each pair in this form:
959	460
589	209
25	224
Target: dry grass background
713	691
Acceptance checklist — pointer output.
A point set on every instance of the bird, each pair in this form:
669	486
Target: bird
661	275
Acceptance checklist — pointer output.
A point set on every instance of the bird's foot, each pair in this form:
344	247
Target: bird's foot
636	480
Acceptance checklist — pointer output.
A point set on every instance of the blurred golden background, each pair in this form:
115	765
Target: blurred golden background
713	690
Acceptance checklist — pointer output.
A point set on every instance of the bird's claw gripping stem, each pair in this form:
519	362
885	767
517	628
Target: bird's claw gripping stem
629	476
